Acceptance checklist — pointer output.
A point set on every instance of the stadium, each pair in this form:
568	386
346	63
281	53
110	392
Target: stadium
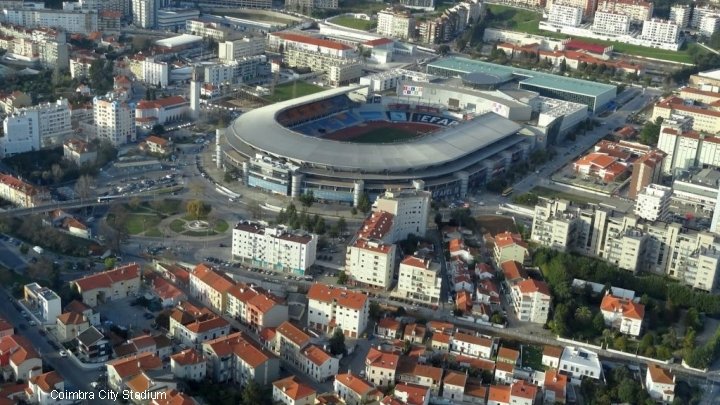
339	145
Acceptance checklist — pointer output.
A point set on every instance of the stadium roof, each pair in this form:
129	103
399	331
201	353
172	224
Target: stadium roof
259	129
540	79
180	40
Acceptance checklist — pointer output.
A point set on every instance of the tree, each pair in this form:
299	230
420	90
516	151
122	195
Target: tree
307	199
598	322
443	49
337	343
342	278
254	394
109	262
134	203
255	210
650	133
319	227
57	172
197	209
158	129
342	225
364	205
84	186
353	211
374	311
583	314
627	391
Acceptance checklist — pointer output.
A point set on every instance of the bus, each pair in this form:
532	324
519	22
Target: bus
507	192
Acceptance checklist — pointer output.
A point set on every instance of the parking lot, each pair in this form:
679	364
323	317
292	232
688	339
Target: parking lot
122	313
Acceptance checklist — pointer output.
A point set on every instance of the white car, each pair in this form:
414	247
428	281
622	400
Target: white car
63	353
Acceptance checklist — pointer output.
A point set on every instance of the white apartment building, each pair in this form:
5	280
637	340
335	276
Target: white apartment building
622	314
699	12
395	24
155	73
338	71
114	120
306	43
278	248
239	70
653	202
531	300
207	29
21	193
638	10
43	300
371	262
174	19
389	80
472	346
709	24
410	208
229	51
144	13
318	363
611	23
660	384
71	21
561	14
680	14
36	127
659	31
578	362
331	308
419	279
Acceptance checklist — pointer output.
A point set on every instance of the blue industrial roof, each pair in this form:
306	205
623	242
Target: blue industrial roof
540	79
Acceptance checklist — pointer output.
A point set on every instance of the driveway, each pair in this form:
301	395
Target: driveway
121	313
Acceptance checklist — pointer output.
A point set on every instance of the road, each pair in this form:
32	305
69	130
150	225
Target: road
75	376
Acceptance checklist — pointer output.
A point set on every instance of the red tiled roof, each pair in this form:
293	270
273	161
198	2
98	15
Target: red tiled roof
48	381
18	184
660	375
293	333
524	389
108	278
71	318
294	388
415	261
376	226
355	383
377	358
512	270
553	351
455	378
173	397
508	354
287	36
389	323
19	348
343	297
201	326
134	365
411	393
508	239
475	340
379	41
499	393
187	357
218	281
556	382
317	355
628	308
529	286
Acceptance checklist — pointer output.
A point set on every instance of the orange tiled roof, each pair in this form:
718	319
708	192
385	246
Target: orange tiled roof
134	365
415	261
376	226
524	389
218	281
506	239
556	382
441	337
553	351
71	318
354	383
628	308
47	382
413	394
455	378
201	326
174	397
512	270
317	355
509	354
19	347
377	358
388	323
157	140
343	297
660	375
264	302
294	388
475	340
108	278
529	286
499	393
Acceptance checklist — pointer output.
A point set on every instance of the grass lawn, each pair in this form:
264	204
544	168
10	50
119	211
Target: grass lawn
532	357
168	206
138	223
199	233
495	224
153	232
177	225
258	17
385	135
362	6
292	90
355	23
551	193
221	226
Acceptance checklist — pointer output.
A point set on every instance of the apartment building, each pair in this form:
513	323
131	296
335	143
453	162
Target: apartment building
647	169
472	346
188	364
509	246
638	10
291	391
531	300
208	29
174	19
395	24
565	15
20	193
331	308
36	127
193	326
71	21
144	13
114	120
410	209
699	12
230	51
622	314
657	31
237	359
380	367
306	6
680	14
161	111
278	248
611	23
284	40
588	6
419	279
288	343
653	203
210	287
79	151
337	71
370	257
319	364
685	255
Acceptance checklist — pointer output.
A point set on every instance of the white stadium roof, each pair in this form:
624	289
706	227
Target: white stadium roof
259	129
180	40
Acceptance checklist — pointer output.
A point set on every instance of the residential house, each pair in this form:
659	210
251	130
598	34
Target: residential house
380	367
523	393
93	347
440	341
6	328
18	358
507	355
578	362
414	333
288	343
174	397
121	371
473	346
420	374
504	373
499	395
110	285
388	328
158	145
555	387
475	392
458	250
168	294
412	394
487	292
463	301
510	246
235	358
439	326
193	326
265	310
660	383
188	364
353	390
80	308
291	391
454	386
210	287
70	325
76	228
43	302
42	389
622	314
174	273
318	364
331	308
158	345
551	356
